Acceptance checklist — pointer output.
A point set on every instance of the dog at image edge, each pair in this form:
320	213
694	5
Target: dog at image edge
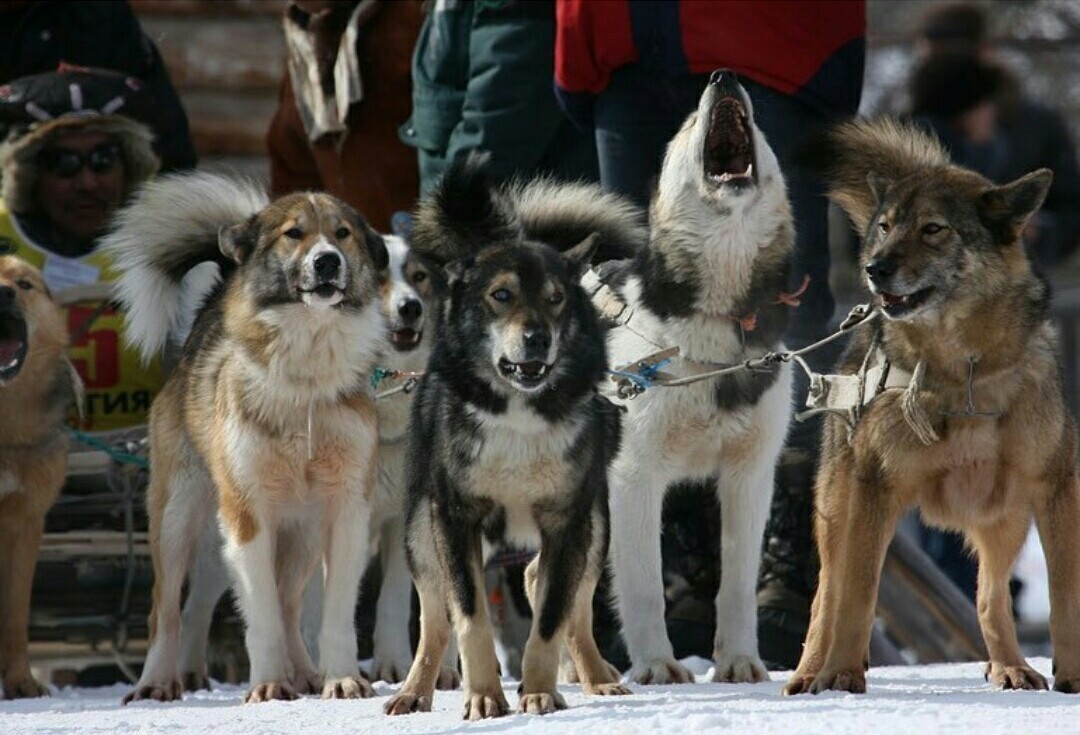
964	315
267	426
509	438
37	389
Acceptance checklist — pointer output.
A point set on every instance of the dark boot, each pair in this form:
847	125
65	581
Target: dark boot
789	563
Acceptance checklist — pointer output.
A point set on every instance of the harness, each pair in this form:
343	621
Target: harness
846	396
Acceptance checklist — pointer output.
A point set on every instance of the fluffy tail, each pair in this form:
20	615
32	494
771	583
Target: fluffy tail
170	227
467	212
847	154
562	215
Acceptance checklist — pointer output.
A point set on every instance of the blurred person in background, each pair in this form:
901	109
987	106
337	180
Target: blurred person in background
482	80
630	73
37	35
969	98
73	146
346	90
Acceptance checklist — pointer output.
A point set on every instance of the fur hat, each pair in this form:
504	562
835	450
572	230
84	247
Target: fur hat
33	109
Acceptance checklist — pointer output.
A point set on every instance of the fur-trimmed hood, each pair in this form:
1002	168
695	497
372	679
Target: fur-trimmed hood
19	155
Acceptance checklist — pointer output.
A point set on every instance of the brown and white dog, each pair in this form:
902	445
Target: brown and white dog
36	391
267	422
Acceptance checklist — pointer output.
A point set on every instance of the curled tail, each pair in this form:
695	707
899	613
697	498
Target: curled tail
848	153
170	227
467	212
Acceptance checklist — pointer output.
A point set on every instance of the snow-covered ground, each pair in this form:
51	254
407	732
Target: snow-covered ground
917	700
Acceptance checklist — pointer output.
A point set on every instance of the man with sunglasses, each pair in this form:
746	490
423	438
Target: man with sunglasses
72	147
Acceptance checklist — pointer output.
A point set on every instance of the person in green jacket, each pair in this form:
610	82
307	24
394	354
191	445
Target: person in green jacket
483	75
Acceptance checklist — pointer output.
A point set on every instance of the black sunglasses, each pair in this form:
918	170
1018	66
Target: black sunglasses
66	163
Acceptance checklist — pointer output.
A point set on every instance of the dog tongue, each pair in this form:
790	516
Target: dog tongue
9	350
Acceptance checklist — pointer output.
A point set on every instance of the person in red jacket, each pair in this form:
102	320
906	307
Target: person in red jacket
631	72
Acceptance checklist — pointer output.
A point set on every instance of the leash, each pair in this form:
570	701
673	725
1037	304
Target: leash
634	379
381	374
121	456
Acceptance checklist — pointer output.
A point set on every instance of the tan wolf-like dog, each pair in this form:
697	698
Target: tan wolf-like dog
267	422
36	391
970	423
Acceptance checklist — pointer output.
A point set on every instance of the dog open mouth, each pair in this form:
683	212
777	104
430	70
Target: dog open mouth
325	294
405	339
729	145
13	346
900	305
526	374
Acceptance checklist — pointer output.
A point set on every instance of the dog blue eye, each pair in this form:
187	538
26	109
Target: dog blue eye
501	295
932	229
342	233
294	232
24	284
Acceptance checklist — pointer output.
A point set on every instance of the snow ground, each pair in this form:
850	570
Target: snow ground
916	700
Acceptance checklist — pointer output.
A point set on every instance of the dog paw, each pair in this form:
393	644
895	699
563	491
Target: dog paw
844	680
270	692
403	704
485	706
661	671
160	692
1015	677
449	679
307	682
348	687
739	669
391	669
1067	684
799	683
24	687
540	703
193	681
611	689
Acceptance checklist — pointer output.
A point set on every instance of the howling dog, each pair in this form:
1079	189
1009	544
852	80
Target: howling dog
962	414
711	283
267	427
509	437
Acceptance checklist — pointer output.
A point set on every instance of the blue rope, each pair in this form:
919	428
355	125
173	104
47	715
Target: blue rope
115	454
645	377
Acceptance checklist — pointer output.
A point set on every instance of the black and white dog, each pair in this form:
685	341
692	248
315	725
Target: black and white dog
711	283
509	437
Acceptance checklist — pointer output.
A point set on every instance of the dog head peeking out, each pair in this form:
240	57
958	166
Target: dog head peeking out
307	248
30	320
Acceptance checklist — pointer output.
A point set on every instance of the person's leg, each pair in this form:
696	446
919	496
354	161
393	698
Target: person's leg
635	118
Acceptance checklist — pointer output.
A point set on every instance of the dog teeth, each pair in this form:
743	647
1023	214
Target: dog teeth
10	365
749	170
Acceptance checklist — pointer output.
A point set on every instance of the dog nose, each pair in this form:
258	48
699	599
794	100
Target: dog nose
880	269
7	296
537	340
327	266
411	310
721	75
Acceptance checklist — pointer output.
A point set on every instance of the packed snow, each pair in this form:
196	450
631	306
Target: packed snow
946	698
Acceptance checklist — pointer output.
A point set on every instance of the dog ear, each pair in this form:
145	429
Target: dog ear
1014	203
579	257
238	241
375	243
